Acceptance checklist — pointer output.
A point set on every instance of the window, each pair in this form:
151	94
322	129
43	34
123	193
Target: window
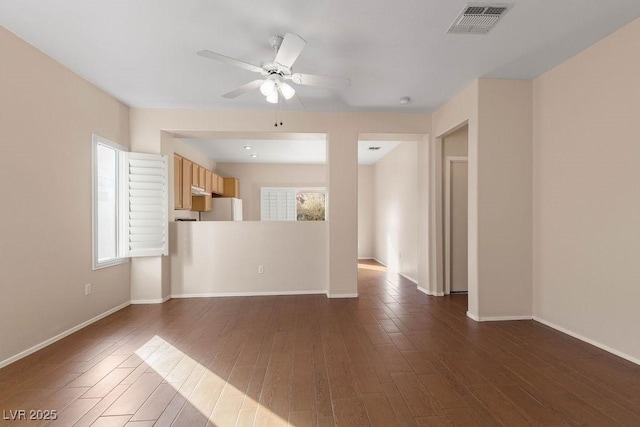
310	205
130	207
292	204
106	172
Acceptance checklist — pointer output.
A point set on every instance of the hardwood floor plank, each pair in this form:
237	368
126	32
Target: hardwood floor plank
350	412
107	383
275	397
114	421
133	398
155	405
303	394
441	391
302	419
379	410
230	401
419	401
92	415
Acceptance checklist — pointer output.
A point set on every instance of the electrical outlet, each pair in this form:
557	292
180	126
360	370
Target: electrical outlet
260	269
87	289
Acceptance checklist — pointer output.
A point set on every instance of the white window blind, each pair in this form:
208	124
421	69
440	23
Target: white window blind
145	210
277	204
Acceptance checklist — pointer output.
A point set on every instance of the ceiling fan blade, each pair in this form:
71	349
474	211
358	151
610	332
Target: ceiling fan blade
221	58
290	49
243	89
324	81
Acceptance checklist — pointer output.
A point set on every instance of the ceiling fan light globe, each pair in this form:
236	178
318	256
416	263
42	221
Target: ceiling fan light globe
287	91
273	97
268	87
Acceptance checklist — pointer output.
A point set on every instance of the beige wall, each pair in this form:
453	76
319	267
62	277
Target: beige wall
47	116
366	211
459	111
210	258
342	131
396	209
252	176
499	116
587	193
504	185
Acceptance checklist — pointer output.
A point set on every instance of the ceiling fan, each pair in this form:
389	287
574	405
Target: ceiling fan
274	75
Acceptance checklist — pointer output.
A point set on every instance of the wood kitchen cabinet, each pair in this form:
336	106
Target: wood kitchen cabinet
220	186
231	187
187	176
177	182
202	174
195	175
216	184
201	203
208	182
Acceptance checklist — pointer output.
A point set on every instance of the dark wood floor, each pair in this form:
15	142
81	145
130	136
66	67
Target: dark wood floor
391	357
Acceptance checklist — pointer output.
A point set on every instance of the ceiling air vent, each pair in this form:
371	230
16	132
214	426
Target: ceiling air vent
478	18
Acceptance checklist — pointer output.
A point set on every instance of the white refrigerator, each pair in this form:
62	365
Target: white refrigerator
223	209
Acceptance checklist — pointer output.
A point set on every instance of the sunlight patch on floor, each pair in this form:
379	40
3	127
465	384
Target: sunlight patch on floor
215	399
372	267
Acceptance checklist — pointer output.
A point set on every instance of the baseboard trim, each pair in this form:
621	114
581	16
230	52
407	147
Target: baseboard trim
588	340
411	279
247	294
366	258
378	261
505	318
431	294
498	318
342	295
61	335
473	316
151	301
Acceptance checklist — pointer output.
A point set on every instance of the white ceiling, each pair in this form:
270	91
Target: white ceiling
143	51
287	150
267	150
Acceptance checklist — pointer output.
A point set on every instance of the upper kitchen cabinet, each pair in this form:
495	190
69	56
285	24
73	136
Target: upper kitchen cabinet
177	182
217	184
208	182
195	175
231	187
187	176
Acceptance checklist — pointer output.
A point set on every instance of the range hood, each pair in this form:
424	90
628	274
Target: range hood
198	191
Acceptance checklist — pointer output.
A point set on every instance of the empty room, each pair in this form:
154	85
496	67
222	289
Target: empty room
319	214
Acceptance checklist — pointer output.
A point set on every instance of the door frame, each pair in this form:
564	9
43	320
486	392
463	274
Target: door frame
449	160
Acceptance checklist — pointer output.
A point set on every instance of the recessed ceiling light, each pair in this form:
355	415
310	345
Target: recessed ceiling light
253	155
247	147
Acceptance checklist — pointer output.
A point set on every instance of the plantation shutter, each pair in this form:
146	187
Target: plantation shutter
145	205
277	204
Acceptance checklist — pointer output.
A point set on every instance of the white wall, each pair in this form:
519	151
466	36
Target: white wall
366	211
252	176
210	258
586	199
47	116
396	209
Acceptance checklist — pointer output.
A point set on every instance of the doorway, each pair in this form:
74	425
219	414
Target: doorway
455	224
455	211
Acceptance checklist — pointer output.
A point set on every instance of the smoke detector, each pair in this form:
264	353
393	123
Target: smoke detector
478	18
